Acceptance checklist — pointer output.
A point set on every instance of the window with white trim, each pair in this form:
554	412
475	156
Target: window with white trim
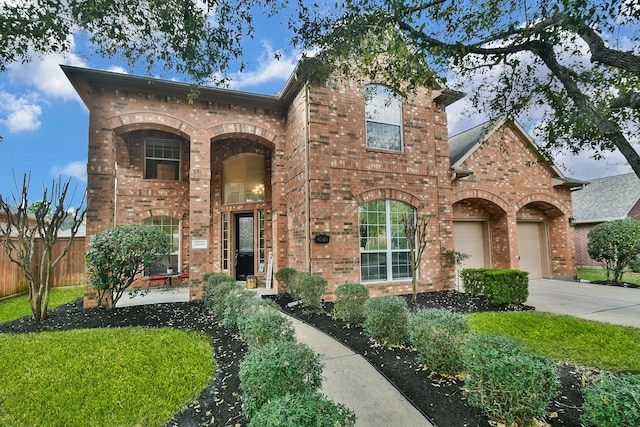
162	159
383	111
171	227
384	249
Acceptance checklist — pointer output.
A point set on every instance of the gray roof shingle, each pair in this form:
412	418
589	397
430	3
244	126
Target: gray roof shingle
606	199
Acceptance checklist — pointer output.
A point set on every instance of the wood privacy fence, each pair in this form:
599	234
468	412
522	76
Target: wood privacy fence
70	271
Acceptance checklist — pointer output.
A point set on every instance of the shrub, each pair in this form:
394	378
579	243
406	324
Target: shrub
634	265
309	408
385	319
309	288
214	279
438	336
498	286
214	297
509	386
118	254
285	276
276	369
612	400
349	305
614	244
265	325
237	304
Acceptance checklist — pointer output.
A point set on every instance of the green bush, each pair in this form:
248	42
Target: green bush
265	325
634	265
237	303
499	286
275	369
214	297
385	319
349	305
309	289
309	408
438	336
117	255
213	279
614	244
612	400
508	385
285	276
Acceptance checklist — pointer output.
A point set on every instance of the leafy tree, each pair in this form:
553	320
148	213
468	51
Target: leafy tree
198	38
23	229
118	254
614	244
576	59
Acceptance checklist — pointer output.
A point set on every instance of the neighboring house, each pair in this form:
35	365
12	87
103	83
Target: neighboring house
604	199
511	207
315	178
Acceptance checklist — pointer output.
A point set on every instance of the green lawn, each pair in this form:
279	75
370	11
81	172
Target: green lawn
566	338
17	307
592	274
101	377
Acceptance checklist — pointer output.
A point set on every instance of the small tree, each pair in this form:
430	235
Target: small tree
118	254
22	228
614	244
416	234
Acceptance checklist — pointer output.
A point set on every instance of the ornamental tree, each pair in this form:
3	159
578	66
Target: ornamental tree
117	255
576	60
614	244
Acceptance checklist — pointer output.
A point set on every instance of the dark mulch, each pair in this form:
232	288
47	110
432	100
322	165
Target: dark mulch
617	284
441	399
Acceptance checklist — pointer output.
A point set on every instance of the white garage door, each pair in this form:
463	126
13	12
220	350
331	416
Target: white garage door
469	238
530	245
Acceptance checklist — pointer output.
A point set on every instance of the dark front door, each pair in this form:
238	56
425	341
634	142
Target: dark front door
244	246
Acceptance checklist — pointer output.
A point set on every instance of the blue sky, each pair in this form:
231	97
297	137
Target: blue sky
44	124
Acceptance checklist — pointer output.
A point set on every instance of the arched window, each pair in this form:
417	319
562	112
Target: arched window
243	178
384	249
383	111
171	227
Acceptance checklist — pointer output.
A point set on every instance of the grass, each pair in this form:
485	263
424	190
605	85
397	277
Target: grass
16	307
101	377
566	338
592	274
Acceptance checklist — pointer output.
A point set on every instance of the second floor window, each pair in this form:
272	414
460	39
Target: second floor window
162	159
383	110
243	178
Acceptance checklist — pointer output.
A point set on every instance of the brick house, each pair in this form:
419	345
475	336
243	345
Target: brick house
604	199
314	178
511	208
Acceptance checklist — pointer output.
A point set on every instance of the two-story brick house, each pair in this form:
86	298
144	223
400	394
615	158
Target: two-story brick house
315	178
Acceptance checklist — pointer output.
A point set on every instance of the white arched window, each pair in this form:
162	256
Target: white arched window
243	178
383	111
384	249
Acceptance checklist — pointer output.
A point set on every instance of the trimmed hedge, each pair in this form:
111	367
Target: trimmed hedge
309	408
265	325
508	385
349	305
285	276
499	287
214	297
385	319
308	288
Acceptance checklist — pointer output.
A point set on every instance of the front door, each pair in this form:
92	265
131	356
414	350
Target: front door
244	246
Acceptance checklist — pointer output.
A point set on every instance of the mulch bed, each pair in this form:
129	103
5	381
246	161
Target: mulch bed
441	399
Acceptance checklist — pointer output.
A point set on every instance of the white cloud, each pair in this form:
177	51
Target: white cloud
22	114
76	170
269	69
117	69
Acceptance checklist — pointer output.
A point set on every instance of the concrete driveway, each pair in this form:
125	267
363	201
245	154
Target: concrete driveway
609	304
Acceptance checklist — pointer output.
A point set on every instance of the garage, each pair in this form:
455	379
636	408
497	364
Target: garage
531	242
470	237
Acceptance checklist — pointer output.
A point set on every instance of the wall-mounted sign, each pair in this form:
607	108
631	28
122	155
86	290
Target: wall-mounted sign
199	244
322	238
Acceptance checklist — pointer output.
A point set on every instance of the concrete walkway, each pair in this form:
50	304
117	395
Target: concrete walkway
608	304
349	379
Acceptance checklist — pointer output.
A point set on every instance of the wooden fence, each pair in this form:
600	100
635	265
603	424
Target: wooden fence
70	271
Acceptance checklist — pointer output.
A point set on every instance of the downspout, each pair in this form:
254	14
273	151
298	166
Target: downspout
115	194
307	177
